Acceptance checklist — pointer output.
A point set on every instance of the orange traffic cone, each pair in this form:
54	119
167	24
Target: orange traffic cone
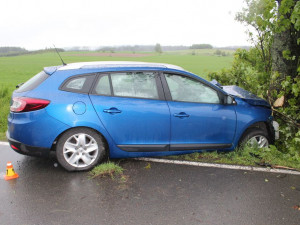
10	172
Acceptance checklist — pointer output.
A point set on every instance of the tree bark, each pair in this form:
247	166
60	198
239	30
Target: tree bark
285	40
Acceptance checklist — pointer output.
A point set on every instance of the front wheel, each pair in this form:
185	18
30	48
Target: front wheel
255	138
80	149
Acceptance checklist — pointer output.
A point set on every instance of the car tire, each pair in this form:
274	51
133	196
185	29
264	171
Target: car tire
80	149
253	137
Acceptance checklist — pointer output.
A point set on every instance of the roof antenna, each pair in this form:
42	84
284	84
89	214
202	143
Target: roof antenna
59	56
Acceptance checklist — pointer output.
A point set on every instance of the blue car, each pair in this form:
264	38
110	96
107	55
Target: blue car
86	111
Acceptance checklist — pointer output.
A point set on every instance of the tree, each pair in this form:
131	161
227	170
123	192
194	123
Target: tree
274	32
271	68
218	52
285	39
12	51
201	46
259	18
157	48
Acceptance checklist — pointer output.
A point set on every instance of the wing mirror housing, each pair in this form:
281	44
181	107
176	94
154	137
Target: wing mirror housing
229	100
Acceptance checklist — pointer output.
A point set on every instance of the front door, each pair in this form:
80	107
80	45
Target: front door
198	119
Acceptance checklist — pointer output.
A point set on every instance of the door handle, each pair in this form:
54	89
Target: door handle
112	110
181	115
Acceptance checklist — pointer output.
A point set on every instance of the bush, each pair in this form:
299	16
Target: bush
220	53
248	72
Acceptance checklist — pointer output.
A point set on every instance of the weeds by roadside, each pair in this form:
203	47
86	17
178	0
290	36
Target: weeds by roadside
110	169
5	95
249	156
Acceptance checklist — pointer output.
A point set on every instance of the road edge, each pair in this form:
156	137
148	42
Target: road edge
212	165
221	166
4	143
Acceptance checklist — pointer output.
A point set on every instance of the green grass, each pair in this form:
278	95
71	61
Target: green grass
110	169
18	69
14	70
249	156
5	95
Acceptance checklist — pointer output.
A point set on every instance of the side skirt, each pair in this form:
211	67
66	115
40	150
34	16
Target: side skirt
172	147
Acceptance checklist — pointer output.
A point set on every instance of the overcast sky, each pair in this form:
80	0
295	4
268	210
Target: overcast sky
36	24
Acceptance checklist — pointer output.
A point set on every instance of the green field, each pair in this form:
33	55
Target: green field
18	69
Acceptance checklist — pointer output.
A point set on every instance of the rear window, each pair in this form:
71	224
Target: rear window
33	82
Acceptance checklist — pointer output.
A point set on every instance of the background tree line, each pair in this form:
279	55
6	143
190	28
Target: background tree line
7	51
14	51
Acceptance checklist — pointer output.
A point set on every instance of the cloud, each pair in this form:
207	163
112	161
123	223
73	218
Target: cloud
37	24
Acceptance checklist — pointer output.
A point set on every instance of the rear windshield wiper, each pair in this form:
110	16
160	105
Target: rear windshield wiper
19	85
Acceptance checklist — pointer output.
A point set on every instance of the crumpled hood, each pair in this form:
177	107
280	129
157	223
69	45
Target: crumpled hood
245	95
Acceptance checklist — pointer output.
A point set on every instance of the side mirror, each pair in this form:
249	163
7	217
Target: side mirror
229	100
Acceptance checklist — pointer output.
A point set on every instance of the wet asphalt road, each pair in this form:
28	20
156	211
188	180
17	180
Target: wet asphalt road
163	194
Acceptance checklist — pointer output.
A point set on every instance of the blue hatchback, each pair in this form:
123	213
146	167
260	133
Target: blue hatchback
85	111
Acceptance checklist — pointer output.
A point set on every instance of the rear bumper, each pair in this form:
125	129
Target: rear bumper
27	149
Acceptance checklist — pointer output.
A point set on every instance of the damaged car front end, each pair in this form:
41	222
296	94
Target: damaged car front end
243	97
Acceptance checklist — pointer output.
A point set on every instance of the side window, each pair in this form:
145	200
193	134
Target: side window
102	86
186	89
76	84
135	84
81	84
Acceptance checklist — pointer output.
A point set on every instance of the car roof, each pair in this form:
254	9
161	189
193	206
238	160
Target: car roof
115	64
110	65
121	65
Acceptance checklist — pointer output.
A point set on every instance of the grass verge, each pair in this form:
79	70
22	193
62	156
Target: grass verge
110	169
2	136
248	156
5	95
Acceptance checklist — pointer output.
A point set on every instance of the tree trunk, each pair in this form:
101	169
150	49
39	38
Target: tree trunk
285	40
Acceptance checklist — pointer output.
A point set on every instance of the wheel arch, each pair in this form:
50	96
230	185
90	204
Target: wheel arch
53	147
262	125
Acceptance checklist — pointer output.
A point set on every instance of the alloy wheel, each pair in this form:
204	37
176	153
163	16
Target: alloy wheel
259	141
80	150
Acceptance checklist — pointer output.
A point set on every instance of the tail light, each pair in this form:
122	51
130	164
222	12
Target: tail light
24	104
14	147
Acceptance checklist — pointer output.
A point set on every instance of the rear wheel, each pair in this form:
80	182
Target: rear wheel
256	138
80	149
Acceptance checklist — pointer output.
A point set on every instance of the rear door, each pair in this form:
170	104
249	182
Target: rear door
198	119
132	108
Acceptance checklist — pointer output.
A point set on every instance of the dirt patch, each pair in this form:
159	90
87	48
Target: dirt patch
107	54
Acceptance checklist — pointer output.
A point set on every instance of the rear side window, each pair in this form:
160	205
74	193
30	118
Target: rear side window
33	82
80	84
76	84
